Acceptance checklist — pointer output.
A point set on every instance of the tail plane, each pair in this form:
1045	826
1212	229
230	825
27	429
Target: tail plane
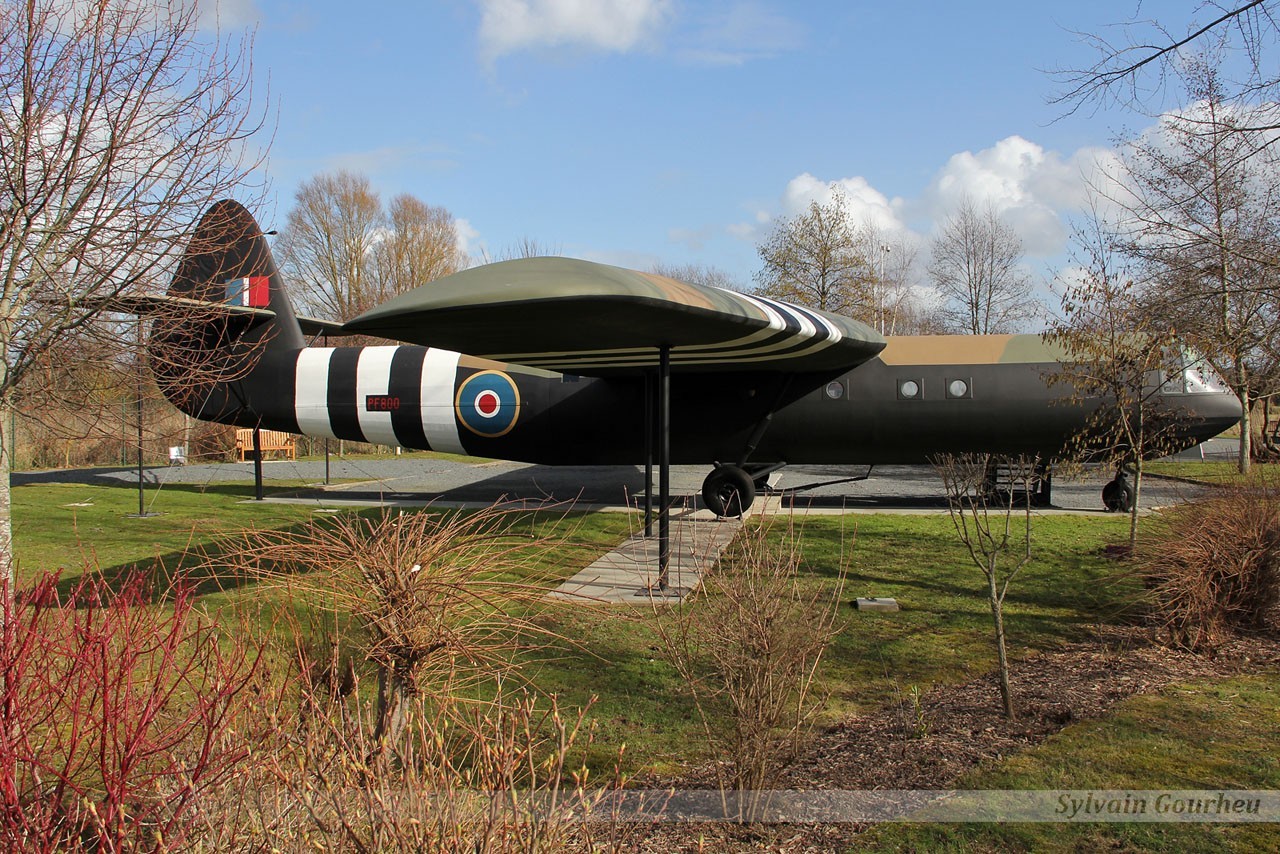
202	359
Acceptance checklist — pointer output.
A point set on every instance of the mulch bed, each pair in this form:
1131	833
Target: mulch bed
964	727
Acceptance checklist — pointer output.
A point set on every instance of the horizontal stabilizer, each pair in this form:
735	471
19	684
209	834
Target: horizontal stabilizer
154	304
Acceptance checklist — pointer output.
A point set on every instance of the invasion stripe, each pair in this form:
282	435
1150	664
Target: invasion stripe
342	393
439	378
373	377
406	383
311	392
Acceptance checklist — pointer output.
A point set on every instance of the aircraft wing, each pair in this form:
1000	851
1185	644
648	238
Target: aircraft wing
593	319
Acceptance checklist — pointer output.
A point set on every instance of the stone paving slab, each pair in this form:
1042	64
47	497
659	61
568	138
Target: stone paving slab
628	575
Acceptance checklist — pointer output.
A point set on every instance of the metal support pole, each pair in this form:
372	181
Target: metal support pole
664	465
648	454
326	460
142	507
257	463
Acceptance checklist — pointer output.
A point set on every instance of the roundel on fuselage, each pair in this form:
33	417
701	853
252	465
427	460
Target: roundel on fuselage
488	404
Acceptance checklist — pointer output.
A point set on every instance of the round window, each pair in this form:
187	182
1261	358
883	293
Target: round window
909	388
958	388
835	390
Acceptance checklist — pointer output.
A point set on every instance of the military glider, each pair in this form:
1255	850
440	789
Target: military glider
562	361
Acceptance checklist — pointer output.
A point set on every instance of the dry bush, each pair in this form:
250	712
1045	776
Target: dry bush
748	649
1212	566
421	765
430	599
475	776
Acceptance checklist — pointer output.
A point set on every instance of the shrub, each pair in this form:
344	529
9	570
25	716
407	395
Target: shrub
116	716
1212	566
748	650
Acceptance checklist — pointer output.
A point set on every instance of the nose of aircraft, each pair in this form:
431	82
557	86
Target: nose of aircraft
1216	412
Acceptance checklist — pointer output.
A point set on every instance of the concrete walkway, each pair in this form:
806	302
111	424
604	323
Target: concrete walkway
628	575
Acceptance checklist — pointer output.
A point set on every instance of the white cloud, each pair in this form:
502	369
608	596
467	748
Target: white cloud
1034	190
1029	187
390	158
739	33
864	202
228	14
508	26
468	236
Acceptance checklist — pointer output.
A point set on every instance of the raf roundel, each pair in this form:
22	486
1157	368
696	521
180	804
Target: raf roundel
488	404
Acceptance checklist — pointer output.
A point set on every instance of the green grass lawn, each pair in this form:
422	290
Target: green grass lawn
1184	737
1200	735
1219	472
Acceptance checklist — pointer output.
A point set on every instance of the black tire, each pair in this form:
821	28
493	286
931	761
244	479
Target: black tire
1118	497
728	491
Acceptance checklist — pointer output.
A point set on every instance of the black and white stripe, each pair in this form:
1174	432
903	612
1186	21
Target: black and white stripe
790	332
332	385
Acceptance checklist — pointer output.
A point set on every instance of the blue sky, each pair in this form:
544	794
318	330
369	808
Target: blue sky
643	131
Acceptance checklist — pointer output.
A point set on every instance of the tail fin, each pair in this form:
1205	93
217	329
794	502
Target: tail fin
198	355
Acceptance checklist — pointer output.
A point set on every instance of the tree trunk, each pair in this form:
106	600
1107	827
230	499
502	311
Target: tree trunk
997	615
1246	429
392	710
6	523
1133	511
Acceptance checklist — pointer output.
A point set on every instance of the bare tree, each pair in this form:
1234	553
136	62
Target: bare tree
1136	70
976	263
698	274
1200	202
815	259
891	260
420	245
1115	350
525	247
327	244
984	517
120	122
347	254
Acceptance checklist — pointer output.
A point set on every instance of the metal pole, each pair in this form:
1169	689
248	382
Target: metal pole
326	460
142	507
664	465
257	464
648	454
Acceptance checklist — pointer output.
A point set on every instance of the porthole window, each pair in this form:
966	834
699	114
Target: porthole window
957	388
835	390
909	389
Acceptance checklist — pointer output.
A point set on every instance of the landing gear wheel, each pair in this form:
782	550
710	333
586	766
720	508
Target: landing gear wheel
1117	496
728	491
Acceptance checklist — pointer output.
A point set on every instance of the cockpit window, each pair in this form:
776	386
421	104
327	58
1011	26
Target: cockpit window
1199	377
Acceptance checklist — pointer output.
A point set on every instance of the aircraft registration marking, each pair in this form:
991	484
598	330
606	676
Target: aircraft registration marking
373	377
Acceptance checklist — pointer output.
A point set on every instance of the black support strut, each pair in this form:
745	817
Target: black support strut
664	465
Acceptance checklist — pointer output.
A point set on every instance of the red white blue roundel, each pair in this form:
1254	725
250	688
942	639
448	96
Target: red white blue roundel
488	403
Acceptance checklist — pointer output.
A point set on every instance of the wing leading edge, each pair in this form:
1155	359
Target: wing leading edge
593	319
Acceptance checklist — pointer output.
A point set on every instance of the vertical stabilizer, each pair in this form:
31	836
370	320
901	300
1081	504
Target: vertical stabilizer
207	360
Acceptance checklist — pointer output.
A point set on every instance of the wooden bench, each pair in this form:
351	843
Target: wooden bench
271	440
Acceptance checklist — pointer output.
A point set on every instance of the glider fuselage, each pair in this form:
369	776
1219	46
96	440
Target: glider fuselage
433	399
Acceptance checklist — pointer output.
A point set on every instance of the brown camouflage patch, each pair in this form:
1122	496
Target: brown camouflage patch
968	350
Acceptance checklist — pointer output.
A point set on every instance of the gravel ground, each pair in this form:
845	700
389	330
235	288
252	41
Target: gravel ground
827	488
